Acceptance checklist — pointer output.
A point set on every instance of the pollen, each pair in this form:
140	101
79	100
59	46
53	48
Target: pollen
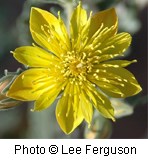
77	65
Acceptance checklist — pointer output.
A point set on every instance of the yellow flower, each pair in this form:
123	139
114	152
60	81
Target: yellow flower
75	66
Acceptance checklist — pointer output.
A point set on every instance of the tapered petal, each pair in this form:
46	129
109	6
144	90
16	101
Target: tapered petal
48	97
100	102
86	107
31	84
45	100
118	63
79	28
114	46
78	20
68	112
106	19
35	57
115	81
48	31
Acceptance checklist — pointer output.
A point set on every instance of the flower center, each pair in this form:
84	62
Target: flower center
75	66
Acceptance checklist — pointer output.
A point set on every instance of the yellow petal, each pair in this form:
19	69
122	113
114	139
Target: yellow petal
100	102
78	20
47	31
106	19
86	107
68	113
35	57
118	63
47	98
39	17
114	46
26	86
108	88
121	80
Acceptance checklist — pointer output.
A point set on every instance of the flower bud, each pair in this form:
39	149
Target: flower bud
5	82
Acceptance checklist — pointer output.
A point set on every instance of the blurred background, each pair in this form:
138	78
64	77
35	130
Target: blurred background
20	122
